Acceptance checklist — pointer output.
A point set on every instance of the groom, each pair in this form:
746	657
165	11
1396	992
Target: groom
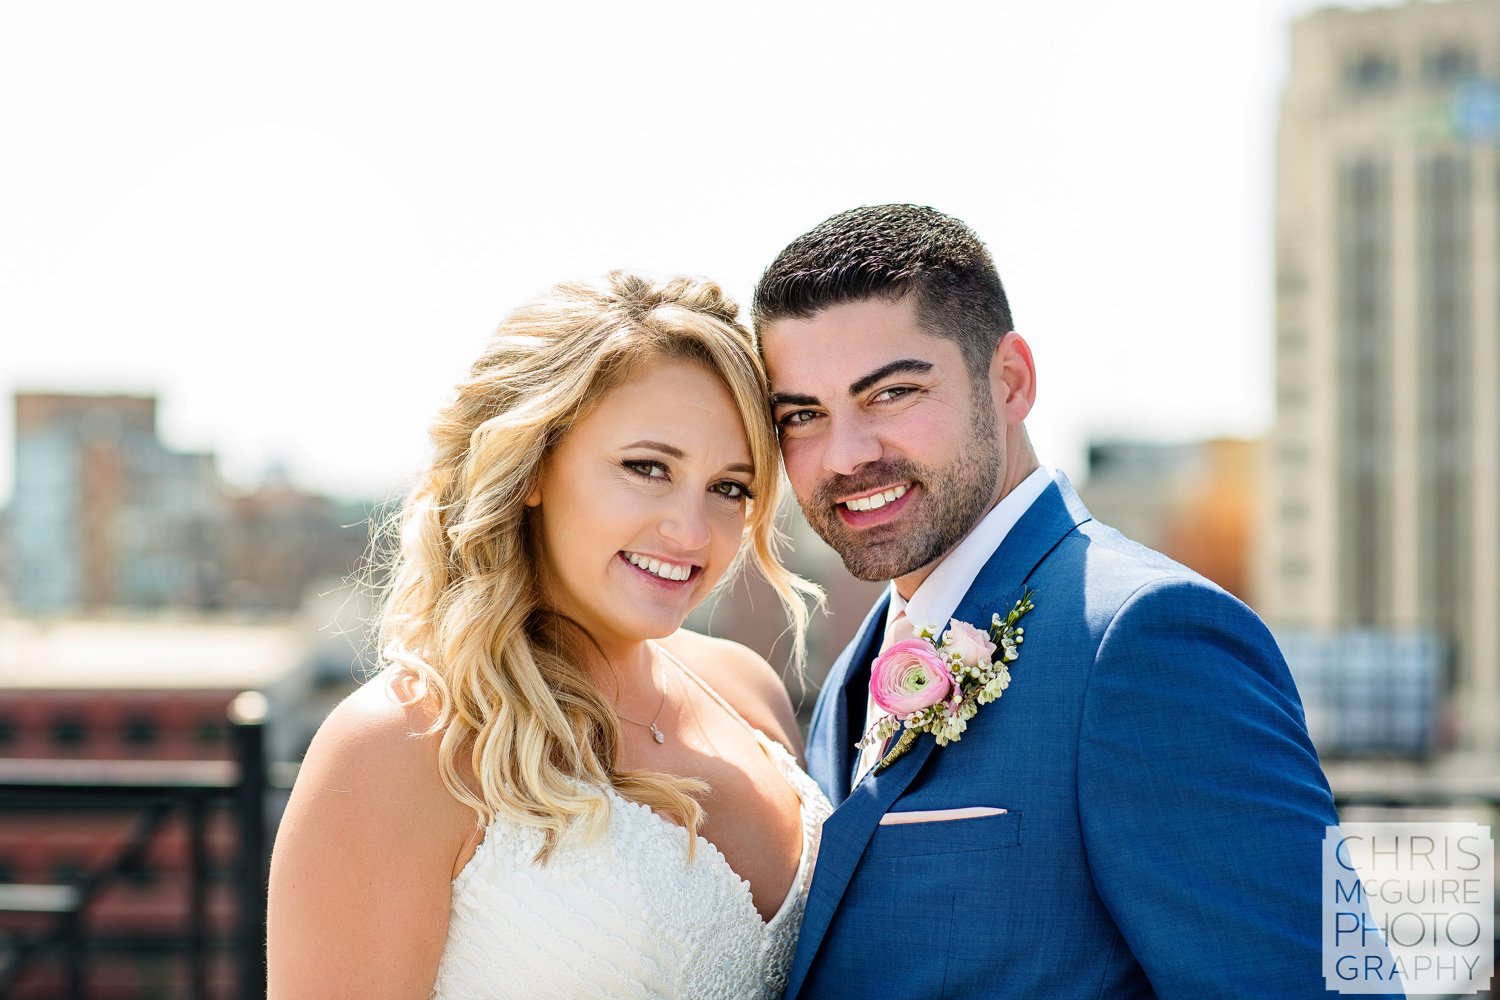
1140	813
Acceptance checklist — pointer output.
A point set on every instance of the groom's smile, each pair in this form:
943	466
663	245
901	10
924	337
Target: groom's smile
874	506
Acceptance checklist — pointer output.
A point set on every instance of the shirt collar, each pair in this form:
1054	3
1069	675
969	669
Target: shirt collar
939	595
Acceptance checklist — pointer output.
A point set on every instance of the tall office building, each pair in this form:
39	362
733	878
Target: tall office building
104	514
1383	482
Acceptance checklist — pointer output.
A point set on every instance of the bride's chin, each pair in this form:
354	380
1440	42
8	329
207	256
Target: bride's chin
647	628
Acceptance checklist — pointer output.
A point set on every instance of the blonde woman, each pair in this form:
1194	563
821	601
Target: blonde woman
551	789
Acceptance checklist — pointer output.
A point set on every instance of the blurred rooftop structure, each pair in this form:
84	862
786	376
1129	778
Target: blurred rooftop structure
167	652
95	713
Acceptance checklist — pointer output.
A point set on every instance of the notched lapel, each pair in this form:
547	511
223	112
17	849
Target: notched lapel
841	729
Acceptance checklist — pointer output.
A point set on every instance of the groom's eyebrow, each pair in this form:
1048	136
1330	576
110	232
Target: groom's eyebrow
906	366
792	399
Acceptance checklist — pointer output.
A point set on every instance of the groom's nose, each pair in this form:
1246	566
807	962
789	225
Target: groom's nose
851	444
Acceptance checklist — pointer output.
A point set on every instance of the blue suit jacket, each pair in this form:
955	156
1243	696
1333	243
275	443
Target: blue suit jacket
1165	808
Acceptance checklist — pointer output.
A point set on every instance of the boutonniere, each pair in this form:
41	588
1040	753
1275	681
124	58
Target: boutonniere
935	683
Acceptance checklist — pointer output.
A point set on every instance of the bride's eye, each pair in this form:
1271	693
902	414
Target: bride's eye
646	468
732	490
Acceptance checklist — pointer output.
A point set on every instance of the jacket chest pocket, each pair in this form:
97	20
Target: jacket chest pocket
977	834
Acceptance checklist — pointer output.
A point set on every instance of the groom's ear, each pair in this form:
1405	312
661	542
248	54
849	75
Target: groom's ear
1012	379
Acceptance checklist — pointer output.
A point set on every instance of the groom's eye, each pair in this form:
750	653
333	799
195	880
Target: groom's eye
796	418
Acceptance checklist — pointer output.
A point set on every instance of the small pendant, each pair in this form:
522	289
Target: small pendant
657	735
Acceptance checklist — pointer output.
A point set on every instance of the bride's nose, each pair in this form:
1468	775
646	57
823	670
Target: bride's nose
685	523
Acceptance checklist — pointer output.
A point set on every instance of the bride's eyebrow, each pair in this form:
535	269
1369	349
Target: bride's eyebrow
673	451
666	449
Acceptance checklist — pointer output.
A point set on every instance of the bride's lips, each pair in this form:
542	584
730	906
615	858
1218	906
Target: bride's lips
892	509
650	577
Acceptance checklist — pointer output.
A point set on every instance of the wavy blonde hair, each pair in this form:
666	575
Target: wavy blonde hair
525	733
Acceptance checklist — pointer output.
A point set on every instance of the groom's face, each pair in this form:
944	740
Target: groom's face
894	452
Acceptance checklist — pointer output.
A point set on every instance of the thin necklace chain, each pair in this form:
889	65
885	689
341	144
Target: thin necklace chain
656	734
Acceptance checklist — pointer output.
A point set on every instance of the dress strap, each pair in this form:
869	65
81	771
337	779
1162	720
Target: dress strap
709	690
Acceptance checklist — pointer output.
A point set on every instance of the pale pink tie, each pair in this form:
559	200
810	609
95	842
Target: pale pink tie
870	755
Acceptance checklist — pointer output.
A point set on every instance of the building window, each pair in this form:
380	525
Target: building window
140	730
210	731
1364	386
7	730
1449	65
1370	73
1445	406
69	731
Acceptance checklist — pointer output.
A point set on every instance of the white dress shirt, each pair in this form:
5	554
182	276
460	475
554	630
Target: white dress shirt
939	595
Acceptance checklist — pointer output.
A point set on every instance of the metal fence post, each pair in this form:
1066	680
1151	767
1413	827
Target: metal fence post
247	714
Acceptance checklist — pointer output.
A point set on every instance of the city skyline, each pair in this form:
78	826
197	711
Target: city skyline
300	263
105	516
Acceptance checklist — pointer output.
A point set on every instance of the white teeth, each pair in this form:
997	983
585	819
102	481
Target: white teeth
656	567
877	500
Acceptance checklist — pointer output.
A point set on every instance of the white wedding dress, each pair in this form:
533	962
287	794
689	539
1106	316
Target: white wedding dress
625	915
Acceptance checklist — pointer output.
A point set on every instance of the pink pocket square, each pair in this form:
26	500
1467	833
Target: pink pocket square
938	815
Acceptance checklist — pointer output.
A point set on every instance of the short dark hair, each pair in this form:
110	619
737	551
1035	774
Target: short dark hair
891	251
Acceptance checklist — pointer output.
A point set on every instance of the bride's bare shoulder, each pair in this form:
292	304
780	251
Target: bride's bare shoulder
365	854
744	679
382	724
373	766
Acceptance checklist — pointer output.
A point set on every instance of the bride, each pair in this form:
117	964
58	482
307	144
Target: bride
551	789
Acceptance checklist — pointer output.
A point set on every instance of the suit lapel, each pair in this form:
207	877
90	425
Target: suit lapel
1046	523
846	833
843	706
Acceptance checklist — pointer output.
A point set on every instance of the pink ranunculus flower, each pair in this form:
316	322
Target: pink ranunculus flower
973	645
908	677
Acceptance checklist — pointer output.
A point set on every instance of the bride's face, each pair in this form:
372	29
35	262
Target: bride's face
642	506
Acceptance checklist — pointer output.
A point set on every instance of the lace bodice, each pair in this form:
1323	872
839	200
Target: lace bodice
625	915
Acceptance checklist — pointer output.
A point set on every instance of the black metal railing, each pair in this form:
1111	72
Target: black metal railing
155	791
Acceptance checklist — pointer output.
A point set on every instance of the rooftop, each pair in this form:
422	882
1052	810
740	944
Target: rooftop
189	652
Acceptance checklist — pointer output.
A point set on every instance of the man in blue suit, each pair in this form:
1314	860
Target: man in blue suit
1141	813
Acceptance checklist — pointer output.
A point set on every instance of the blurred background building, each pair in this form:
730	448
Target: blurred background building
1383	475
141	596
1193	501
104	515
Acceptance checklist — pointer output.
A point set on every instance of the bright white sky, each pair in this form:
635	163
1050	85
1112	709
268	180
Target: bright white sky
297	223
